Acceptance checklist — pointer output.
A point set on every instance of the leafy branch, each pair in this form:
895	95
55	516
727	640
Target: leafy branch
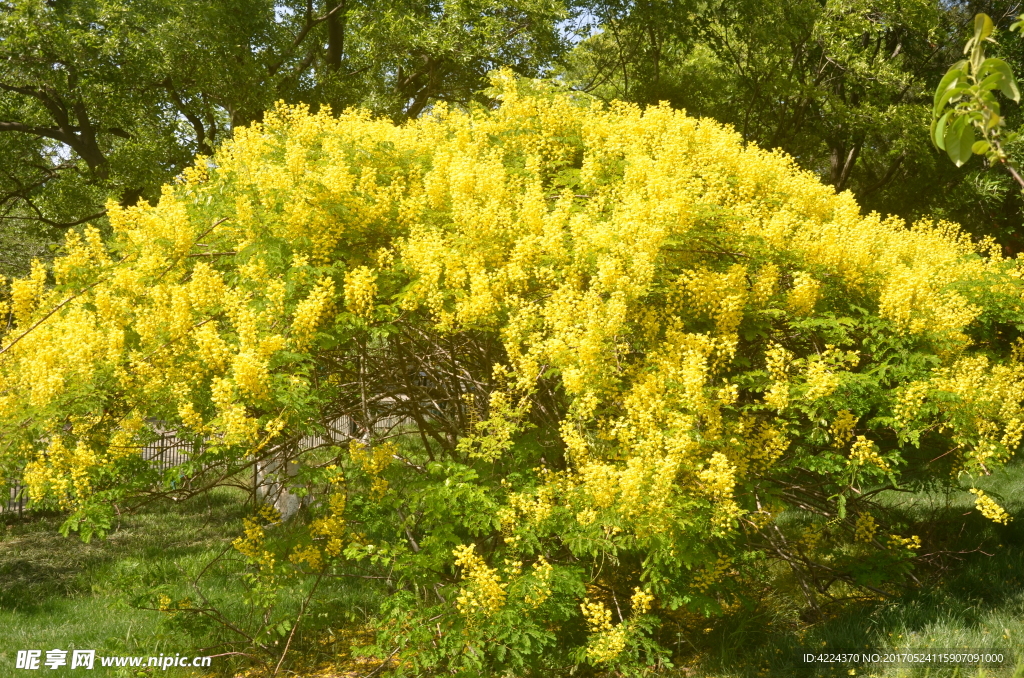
965	102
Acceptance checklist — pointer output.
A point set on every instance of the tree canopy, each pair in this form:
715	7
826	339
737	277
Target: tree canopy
110	100
844	87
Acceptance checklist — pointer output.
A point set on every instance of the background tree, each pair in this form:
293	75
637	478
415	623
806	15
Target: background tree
844	87
106	100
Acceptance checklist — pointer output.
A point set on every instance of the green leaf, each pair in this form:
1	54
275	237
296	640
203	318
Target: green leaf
959	140
939	131
949	94
966	143
982	26
948	81
1010	89
991	81
980	147
1008	84
952	137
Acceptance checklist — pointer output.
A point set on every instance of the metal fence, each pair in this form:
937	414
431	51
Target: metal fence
16	501
166	451
169	450
338	431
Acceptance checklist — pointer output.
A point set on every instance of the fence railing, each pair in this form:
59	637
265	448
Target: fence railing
16	501
169	450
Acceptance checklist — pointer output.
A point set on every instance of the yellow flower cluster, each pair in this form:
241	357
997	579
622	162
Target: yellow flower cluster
766	284
484	591
360	290
865	528
811	536
535	507
27	294
307	553
83	254
822	376
804	295
911	543
251	543
331	528
61	472
718	481
598	617
777	361
641	600
373	459
842	427
606	641
540	589
863	452
766	445
710	575
311	311
989	508
233	418
821	381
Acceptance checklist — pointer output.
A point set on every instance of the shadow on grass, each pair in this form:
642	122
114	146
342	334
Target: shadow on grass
58	592
37	564
970	598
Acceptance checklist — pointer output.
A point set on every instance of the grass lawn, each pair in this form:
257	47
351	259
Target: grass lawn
59	593
972	598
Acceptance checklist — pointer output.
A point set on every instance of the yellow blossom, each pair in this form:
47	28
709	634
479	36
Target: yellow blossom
864	453
484	592
360	289
989	508
865	527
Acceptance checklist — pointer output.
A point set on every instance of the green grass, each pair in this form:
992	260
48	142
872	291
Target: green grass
59	593
971	598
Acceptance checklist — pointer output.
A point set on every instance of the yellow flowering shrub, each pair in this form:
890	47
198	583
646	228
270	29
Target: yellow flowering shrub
866	527
485	592
989	508
620	343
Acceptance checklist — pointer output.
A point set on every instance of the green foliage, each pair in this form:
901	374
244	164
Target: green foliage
110	100
844	87
968	90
